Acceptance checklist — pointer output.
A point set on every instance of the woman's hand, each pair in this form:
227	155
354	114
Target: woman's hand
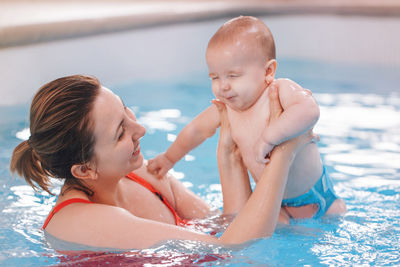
262	147
296	144
226	142
275	107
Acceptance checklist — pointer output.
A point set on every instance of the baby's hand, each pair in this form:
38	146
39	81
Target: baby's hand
159	166
263	150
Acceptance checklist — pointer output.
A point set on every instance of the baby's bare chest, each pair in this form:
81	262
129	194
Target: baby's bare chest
247	129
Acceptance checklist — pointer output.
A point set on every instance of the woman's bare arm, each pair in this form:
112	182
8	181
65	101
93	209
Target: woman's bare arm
234	178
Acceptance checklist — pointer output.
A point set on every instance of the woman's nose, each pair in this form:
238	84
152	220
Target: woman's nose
138	131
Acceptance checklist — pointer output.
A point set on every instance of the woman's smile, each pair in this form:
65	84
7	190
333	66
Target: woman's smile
136	151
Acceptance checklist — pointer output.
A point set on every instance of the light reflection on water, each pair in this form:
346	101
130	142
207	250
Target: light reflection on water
360	145
163	119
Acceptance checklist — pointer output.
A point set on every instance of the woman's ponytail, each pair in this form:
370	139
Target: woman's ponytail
26	163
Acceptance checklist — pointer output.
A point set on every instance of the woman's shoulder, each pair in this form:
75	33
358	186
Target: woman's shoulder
143	173
82	215
99	225
82	207
164	185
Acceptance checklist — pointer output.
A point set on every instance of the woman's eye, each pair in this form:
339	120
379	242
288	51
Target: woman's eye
233	75
213	78
122	134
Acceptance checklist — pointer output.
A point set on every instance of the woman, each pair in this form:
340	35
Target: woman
83	133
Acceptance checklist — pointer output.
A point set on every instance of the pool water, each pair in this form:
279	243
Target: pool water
360	145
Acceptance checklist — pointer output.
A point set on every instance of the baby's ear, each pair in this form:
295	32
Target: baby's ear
270	69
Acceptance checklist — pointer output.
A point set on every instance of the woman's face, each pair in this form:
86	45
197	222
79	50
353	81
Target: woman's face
117	134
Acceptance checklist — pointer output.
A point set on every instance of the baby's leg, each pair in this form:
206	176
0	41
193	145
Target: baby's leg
283	216
337	207
302	212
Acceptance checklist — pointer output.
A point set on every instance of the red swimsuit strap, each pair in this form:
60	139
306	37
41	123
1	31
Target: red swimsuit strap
143	182
62	205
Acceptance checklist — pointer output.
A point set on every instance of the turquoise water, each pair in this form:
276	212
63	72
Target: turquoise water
360	145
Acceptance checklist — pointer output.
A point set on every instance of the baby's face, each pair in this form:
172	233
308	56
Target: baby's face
237	72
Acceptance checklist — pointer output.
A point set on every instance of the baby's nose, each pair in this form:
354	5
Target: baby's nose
225	85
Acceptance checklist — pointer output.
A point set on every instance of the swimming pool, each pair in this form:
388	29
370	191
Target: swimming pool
360	131
360	137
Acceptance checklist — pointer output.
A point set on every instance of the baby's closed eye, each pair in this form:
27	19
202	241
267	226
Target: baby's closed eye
234	75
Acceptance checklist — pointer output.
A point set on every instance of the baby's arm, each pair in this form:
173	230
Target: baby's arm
192	135
300	113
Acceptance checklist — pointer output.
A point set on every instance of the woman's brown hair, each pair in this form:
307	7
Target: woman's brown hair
61	133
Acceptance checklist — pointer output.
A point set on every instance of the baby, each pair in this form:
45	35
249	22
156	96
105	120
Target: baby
241	62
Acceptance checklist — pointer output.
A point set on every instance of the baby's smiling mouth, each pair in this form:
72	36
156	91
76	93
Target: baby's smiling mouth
228	98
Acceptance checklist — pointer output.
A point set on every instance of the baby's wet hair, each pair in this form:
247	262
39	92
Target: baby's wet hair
250	28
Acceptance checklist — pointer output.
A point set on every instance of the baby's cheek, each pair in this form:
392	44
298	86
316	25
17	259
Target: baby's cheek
214	91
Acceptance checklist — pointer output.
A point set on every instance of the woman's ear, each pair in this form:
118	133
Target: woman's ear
83	171
270	69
